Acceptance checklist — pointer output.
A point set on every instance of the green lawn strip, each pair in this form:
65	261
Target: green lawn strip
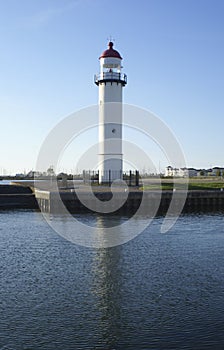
201	186
206	185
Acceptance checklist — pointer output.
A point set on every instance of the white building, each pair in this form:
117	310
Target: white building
110	81
192	172
180	172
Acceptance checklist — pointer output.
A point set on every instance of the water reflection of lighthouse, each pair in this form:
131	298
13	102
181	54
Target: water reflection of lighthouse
110	81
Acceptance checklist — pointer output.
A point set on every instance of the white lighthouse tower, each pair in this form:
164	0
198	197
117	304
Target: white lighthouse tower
111	82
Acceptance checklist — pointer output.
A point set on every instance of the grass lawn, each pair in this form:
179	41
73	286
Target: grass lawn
194	184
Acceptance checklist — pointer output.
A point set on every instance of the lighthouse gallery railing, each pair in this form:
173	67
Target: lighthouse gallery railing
110	76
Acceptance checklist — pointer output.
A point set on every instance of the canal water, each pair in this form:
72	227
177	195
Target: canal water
158	291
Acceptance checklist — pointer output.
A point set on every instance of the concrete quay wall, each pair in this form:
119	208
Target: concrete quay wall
196	201
22	197
17	197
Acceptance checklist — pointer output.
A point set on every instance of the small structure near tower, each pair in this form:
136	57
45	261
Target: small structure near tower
110	81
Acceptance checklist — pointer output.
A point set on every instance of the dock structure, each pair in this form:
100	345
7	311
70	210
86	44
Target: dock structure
196	201
55	202
17	197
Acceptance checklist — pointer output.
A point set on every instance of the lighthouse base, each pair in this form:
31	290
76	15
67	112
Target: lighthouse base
110	169
131	178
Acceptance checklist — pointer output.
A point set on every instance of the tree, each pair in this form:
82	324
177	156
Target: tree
50	171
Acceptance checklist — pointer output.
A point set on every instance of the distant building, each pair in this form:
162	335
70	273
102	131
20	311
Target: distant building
176	172
20	175
217	171
33	173
192	172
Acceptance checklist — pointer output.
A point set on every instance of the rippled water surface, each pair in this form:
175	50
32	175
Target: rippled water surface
158	291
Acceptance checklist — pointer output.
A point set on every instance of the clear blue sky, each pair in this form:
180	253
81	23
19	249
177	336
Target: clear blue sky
173	54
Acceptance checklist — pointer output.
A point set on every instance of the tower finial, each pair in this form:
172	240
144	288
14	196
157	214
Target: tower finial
111	40
110	45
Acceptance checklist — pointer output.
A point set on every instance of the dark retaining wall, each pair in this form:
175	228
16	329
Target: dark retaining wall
17	197
20	197
197	201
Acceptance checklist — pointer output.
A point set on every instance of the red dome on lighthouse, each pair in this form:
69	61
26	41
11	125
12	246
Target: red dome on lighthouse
110	52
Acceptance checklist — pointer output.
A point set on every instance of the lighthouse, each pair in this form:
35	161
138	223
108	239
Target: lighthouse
110	81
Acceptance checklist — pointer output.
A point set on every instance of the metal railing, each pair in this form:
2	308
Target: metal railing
110	76
132	178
